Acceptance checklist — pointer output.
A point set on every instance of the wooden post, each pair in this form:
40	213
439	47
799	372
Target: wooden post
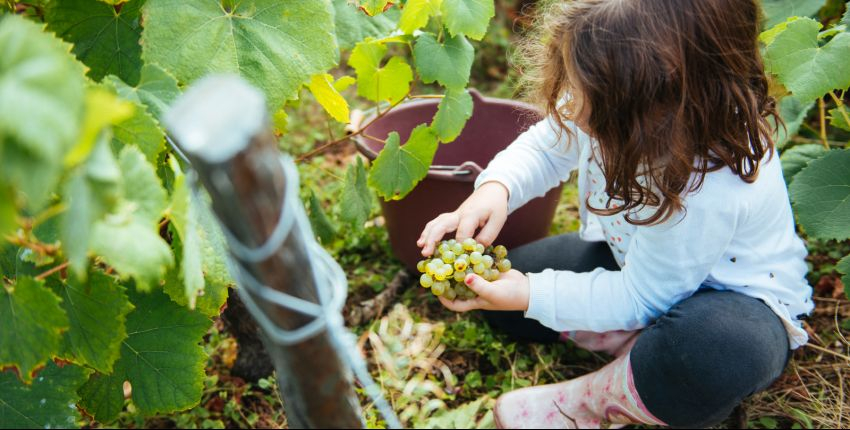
221	125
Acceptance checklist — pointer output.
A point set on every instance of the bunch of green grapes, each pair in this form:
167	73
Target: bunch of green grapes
453	261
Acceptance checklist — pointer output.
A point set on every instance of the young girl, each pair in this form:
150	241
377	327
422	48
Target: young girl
687	267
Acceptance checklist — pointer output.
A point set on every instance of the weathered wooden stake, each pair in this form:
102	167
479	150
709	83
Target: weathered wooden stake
221	125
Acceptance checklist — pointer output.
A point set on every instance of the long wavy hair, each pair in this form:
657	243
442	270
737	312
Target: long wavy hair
670	89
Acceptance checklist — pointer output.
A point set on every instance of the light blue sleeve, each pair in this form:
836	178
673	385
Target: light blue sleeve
665	264
537	161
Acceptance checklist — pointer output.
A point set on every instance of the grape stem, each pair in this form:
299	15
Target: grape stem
46	274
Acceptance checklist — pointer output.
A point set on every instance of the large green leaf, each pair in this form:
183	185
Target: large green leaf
797	158
353	25
416	14
41	100
808	70
32	323
468	17
156	89
105	39
274	44
50	402
399	168
777	11
142	131
128	239
388	83
92	191
454	110
356	201
97	311
448	63
821	196
793	113
161	358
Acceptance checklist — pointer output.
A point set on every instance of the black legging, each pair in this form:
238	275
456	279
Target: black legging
693	365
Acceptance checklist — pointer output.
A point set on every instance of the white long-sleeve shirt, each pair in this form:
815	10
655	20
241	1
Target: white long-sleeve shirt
732	236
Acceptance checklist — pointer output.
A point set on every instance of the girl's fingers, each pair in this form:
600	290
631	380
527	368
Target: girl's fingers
442	225
467	227
463	305
479	286
491	230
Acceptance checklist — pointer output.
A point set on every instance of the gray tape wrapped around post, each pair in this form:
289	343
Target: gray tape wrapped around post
221	126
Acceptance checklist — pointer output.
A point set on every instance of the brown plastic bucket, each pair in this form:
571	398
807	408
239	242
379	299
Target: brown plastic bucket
495	123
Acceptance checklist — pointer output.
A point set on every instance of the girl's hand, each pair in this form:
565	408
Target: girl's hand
487	208
509	293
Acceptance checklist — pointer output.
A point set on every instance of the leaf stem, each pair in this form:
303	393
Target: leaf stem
428	96
58	268
358	132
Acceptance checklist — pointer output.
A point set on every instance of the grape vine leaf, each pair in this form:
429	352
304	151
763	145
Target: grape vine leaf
777	11
839	119
398	169
275	44
156	89
97	311
32	323
92	190
42	95
843	267
808	70
375	7
322	226
105	39
388	83
128	239
161	358
203	278
140	130
468	17
356	201
416	14
352	25
454	111
768	36
797	158
845	20
793	113
50	402
448	63
322	87
821	196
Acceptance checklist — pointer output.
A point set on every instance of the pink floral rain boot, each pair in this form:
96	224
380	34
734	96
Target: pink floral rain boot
614	343
606	398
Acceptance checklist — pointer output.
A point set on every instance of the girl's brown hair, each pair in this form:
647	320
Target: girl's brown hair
672	89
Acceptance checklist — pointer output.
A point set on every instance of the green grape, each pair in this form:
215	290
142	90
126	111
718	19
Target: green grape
448	269
469	244
457	248
461	264
426	281
488	261
431	267
440	274
420	266
503	265
479	247
439	288
450	294
479	268
500	252
460	276
475	258
451	242
448	257
491	275
443	248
